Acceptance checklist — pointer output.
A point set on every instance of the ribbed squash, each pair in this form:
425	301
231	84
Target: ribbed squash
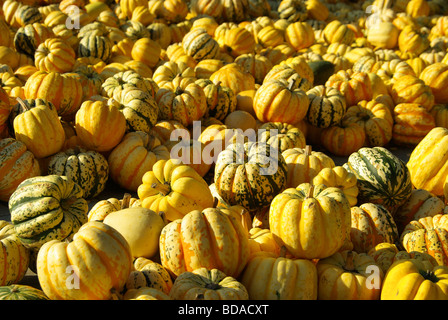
185	104
372	224
346	276
103	207
96	46
207	284
429	235
411	279
312	222
282	136
221	100
114	85
139	108
46	208
174	188
327	106
21	292
14	257
276	277
39	127
197	43
210	238
376	120
54	55
342	139
427	164
93	266
149	274
87	168
340	178
17	164
29	37
383	178
133	157
250	174
304	164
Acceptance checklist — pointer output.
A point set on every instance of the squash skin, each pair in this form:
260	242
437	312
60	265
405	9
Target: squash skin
186	244
96	278
35	197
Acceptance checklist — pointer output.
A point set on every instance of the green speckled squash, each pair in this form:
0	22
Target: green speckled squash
96	46
383	178
250	174
21	292
221	100
282	135
45	208
199	45
327	106
89	169
138	107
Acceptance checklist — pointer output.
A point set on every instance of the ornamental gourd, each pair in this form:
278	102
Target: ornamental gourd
174	188
207	284
14	257
411	279
312	222
269	276
427	163
346	275
371	224
133	157
39	127
383	178
101	257
209	238
250	174
17	164
46	208
87	168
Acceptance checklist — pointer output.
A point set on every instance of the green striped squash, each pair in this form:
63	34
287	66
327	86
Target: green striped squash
112	86
383	178
88	168
139	108
199	45
28	14
250	174
21	292
96	46
327	106
221	100
47	208
30	36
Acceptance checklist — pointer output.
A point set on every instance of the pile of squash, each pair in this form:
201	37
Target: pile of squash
154	99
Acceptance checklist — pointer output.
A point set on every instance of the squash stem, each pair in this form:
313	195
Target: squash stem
126	201
162	188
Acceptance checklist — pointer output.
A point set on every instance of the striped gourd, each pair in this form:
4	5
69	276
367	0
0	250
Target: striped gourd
150	274
45	208
197	43
29	37
282	135
138	107
96	46
327	106
383	178
27	14
21	292
221	100
112	86
88	168
250	174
